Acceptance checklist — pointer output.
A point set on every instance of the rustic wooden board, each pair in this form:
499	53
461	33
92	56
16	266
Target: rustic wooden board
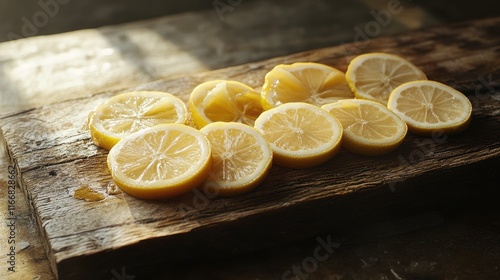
55	156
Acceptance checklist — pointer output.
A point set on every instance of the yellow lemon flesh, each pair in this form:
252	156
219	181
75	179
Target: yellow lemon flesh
241	157
226	101
308	82
369	128
429	106
373	76
301	135
161	161
126	113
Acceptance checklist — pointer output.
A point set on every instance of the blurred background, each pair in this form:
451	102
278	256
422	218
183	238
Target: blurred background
78	14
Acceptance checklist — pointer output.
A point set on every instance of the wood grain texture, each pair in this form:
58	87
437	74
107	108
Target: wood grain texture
54	154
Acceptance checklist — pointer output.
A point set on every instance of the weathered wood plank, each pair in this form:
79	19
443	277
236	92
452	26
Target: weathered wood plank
55	156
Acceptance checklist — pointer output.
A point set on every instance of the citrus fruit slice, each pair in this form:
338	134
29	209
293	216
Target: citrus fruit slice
301	135
373	76
226	101
308	82
130	112
429	106
241	157
369	127
161	161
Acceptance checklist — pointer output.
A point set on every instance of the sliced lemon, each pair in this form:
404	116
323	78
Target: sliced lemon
301	135
373	76
308	82
241	157
161	161
130	112
429	106
226	101
369	127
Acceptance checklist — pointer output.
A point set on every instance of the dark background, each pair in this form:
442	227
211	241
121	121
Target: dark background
80	14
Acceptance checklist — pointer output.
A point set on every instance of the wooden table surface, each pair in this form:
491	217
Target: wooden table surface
42	70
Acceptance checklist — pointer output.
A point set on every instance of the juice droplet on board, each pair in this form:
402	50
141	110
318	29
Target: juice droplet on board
86	193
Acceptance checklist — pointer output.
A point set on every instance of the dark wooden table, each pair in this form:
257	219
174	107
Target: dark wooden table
455	236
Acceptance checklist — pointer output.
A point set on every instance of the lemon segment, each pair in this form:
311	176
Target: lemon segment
429	106
373	76
370	128
307	82
241	158
226	101
126	113
160	162
301	135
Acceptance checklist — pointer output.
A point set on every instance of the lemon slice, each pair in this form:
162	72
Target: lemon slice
301	135
308	82
226	101
161	161
373	76
241	157
130	112
369	127
429	106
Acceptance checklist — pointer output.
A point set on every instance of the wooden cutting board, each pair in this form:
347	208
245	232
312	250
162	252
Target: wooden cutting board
55	157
